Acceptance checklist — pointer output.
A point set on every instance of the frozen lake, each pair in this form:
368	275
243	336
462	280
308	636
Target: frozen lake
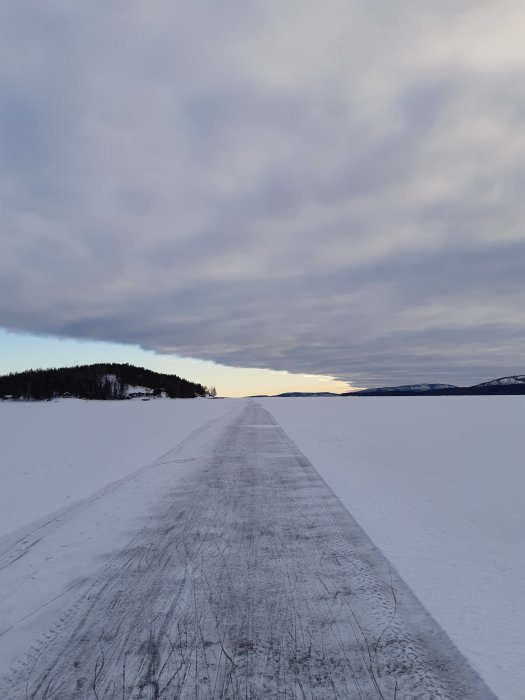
437	484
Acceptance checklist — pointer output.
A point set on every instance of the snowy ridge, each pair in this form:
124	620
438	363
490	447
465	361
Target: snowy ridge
513	385
414	388
505	381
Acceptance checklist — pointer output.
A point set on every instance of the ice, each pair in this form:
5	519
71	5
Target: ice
438	483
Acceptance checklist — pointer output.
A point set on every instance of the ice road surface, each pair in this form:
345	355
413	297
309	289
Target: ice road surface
438	484
91	490
249	580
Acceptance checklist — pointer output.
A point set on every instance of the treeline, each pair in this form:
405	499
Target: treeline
98	381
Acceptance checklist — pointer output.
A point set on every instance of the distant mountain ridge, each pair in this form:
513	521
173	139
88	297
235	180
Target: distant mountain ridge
505	381
97	381
504	385
514	384
408	388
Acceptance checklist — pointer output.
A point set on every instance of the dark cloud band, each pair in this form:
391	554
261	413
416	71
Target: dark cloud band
333	192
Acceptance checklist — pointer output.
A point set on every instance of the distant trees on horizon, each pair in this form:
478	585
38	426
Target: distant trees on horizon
98	381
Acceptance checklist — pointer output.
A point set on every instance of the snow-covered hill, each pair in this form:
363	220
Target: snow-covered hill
413	388
505	381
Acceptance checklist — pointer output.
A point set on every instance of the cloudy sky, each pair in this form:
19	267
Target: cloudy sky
331	189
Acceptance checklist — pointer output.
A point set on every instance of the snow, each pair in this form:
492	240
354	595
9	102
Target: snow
78	479
138	390
409	387
248	579
55	453
505	381
438	484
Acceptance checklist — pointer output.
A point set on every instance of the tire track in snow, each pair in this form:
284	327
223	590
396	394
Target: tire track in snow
252	581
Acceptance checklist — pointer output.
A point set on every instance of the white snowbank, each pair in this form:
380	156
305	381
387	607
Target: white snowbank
438	483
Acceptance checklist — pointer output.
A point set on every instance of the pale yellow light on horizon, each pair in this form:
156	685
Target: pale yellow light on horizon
236	382
21	351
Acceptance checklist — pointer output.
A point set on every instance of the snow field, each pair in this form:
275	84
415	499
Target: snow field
438	483
55	453
78	481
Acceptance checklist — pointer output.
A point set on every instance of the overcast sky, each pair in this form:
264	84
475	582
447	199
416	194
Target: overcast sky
327	188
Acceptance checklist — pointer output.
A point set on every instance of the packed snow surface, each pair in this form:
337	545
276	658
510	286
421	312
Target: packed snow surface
249	580
438	483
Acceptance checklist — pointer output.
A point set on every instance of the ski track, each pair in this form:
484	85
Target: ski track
251	581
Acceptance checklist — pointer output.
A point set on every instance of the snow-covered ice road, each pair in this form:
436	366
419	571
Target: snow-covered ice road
251	581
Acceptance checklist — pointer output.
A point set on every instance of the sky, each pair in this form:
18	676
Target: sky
20	351
327	193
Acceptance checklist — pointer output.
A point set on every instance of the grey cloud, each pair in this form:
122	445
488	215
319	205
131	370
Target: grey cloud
320	190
